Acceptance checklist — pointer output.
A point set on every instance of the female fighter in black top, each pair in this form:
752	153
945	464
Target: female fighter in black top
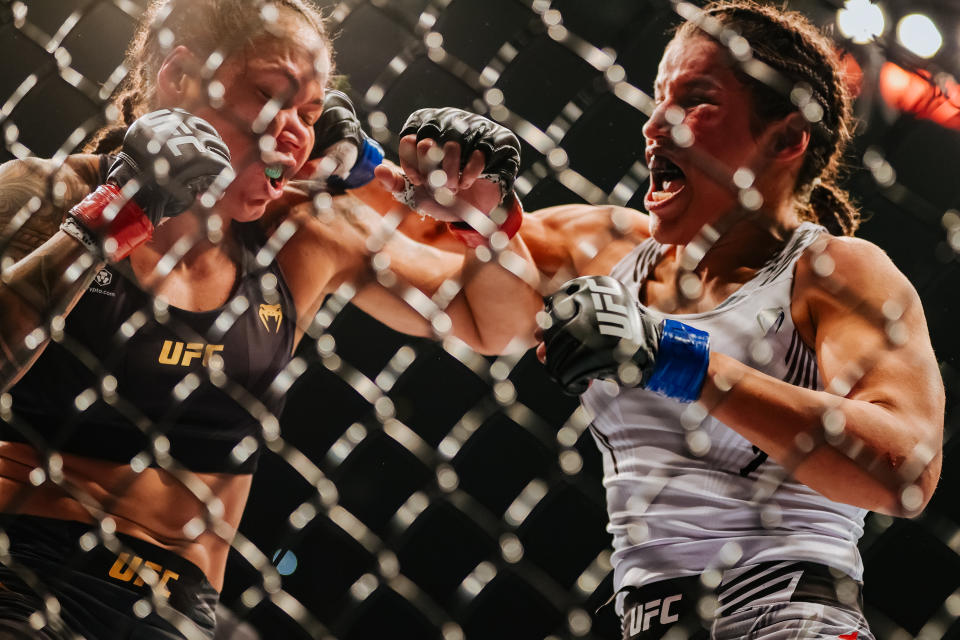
144	335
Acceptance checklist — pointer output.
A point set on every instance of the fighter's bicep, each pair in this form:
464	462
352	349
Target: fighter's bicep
870	332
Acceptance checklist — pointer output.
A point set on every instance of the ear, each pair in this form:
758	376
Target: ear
789	138
178	80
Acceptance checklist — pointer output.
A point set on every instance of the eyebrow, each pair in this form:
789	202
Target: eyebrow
295	85
700	82
697	82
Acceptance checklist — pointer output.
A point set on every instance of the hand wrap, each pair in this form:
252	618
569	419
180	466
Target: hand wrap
598	330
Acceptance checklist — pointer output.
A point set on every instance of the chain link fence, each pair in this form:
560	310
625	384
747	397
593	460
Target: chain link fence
414	489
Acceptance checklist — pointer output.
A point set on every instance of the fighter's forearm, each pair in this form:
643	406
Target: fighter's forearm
34	196
44	271
36	293
500	299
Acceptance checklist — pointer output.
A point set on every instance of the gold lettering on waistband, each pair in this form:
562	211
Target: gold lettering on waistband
126	570
123	560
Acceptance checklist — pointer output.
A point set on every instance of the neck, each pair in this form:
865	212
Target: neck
737	243
187	236
185	239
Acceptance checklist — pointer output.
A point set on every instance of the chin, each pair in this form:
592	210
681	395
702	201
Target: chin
240	210
667	233
249	212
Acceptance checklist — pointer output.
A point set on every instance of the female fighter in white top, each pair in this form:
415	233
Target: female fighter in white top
768	378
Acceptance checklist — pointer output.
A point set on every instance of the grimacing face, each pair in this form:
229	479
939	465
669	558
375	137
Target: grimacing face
266	152
691	174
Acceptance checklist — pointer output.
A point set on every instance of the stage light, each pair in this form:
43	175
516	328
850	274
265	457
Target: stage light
914	92
918	34
860	21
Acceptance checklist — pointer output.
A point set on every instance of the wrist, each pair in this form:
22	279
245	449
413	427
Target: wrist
370	156
682	360
509	227
108	223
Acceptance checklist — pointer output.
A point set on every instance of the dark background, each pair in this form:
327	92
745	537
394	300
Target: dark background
502	537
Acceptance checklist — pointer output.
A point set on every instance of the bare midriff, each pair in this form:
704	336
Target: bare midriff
153	505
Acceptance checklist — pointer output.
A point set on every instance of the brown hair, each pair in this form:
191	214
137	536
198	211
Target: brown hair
203	26
792	47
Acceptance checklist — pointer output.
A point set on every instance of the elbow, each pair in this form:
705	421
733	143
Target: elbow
910	487
918	470
905	468
510	333
915	494
888	482
502	344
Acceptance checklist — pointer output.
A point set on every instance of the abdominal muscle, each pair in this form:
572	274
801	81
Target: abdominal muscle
152	505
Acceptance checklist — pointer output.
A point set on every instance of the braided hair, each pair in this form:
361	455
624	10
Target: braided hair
203	26
788	43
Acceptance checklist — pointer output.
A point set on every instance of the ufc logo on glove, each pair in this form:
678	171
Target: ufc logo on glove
612	318
166	124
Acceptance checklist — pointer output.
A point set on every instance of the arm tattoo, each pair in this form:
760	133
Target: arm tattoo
34	196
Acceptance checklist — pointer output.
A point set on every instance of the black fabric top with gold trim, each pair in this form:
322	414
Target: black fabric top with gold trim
203	381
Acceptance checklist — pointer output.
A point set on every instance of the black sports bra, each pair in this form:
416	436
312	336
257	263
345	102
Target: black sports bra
129	380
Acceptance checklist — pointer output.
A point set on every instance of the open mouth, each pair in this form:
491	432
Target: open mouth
274	173
666	178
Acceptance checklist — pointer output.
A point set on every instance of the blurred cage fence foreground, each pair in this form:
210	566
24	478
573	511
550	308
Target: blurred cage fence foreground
423	491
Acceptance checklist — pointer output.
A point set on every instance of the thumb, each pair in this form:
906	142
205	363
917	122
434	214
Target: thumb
389	178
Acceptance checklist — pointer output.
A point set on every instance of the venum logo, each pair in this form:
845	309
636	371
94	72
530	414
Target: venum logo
271	312
612	318
640	617
103	278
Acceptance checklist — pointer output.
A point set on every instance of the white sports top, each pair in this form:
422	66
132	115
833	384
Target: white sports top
685	496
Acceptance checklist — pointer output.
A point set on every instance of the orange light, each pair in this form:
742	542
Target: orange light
914	93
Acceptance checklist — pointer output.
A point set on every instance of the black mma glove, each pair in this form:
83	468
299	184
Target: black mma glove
472	132
168	158
355	160
598	330
499	145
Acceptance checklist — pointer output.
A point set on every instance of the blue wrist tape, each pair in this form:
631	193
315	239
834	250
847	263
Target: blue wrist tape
370	155
681	362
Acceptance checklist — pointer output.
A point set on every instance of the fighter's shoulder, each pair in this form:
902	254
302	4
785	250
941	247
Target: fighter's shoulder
850	258
564	228
80	170
587	218
85	166
578	239
834	268
330	229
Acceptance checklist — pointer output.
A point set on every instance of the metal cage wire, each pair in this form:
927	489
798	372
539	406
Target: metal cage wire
415	487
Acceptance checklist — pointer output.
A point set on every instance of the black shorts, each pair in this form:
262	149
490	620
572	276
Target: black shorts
771	600
53	589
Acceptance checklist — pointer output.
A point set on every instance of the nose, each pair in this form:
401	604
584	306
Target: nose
293	134
657	127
